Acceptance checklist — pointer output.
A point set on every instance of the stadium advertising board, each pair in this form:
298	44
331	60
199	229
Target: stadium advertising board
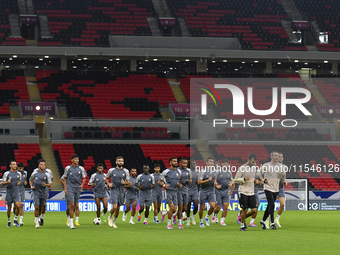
167	22
37	108
324	205
56	202
328	110
300	25
186	109
90	206
30	19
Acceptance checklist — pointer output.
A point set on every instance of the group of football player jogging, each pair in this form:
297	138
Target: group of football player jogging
186	191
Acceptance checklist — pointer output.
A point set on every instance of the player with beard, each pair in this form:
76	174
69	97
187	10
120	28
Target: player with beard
119	178
170	181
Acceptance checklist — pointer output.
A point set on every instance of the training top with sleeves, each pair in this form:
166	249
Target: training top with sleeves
157	189
184	179
38	178
170	176
73	176
273	173
281	180
209	186
246	187
15	177
223	178
49	171
116	177
132	191
98	179
22	182
145	180
193	185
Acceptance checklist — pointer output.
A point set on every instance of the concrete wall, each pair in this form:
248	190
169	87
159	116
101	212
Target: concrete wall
17	124
206	130
58	127
166	52
19	139
174	42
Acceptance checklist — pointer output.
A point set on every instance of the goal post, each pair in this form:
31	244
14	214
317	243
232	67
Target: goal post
297	194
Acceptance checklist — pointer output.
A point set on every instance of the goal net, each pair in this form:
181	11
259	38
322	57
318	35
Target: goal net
296	193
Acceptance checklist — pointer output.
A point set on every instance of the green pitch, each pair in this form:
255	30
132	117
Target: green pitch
301	233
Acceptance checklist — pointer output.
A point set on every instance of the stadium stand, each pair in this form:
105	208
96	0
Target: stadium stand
257	25
326	18
330	89
126	133
6	8
13	87
100	95
273	134
136	155
89	23
122	93
29	154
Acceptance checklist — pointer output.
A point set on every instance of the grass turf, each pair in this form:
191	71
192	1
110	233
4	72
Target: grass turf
301	233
